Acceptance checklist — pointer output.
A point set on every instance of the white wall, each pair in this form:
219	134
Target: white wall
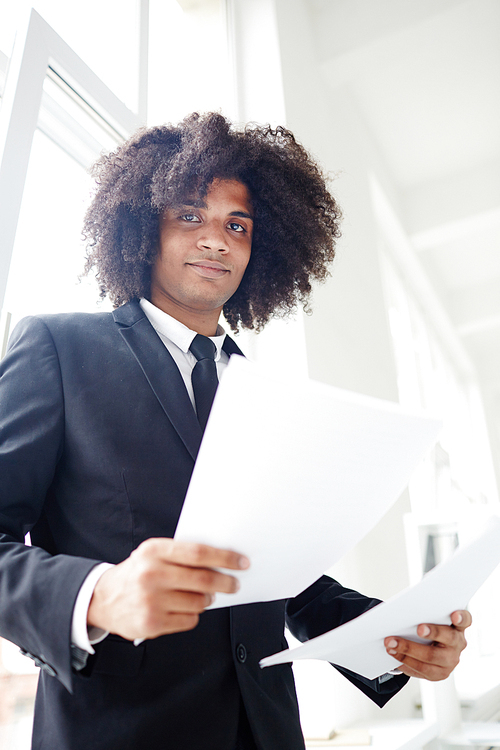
347	336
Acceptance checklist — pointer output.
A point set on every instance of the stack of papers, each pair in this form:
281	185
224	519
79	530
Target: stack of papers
294	474
358	645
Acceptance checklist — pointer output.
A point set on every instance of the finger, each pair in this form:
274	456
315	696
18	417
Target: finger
187	602
461	619
193	554
432	672
432	662
168	577
411	653
172	613
448	635
413	667
178	611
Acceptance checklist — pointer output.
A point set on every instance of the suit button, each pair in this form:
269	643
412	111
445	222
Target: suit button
241	653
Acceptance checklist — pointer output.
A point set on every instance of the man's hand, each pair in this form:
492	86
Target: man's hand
161	588
436	660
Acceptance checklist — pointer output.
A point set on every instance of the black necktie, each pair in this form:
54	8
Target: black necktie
204	376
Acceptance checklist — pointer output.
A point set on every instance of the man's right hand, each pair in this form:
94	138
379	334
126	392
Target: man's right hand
161	588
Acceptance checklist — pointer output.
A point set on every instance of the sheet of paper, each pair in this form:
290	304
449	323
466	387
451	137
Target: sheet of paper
293	474
358	645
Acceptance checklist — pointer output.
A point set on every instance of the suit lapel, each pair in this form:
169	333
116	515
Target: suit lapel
161	373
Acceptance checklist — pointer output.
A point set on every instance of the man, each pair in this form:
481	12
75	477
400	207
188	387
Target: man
99	435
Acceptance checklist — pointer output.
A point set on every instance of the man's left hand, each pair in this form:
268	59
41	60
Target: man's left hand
435	660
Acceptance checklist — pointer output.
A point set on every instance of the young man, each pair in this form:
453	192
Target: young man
100	424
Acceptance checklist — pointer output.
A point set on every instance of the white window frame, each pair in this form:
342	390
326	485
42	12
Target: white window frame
39	52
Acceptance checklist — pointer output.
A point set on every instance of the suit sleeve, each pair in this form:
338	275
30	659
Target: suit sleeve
37	588
326	605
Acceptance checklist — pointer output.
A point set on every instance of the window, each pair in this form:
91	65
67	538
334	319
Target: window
57	116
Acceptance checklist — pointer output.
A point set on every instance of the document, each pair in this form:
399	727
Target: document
358	645
293	474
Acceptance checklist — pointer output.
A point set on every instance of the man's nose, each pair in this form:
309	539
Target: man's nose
213	237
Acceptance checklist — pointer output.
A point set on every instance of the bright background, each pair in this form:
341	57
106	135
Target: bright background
400	103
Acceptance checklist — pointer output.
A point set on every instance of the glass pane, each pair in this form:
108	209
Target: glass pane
8	21
104	34
4	62
459	472
188	61
67	120
48	253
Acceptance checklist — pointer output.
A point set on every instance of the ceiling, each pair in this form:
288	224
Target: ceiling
426	78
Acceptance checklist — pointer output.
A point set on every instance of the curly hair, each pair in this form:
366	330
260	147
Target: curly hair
296	220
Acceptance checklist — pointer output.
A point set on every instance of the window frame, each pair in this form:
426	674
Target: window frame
39	52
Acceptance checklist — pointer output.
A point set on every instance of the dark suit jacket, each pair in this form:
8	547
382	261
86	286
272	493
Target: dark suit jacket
98	440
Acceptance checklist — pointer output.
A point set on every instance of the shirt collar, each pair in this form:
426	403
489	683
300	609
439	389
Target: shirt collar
177	332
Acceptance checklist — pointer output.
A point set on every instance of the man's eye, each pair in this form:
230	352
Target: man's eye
235	227
189	217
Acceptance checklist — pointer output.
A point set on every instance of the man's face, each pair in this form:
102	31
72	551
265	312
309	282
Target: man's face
204	249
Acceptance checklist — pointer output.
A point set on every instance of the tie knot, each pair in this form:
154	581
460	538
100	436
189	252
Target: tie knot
203	348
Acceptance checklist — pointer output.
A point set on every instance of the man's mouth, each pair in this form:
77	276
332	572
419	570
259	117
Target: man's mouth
209	269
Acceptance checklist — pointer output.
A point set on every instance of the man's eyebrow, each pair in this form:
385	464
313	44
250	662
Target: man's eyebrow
195	203
201	203
241	214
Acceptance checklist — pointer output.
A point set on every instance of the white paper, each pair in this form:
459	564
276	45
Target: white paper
359	644
294	474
